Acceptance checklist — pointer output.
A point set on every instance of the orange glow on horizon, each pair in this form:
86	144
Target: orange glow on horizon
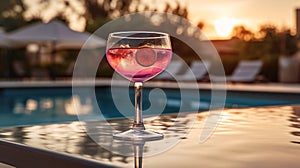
224	26
252	14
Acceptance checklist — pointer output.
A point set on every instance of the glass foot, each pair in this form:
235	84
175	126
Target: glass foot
138	135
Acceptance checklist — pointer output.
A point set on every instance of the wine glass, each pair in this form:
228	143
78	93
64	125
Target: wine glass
138	56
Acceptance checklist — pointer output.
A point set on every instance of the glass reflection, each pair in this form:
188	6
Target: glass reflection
46	104
44	109
31	105
74	105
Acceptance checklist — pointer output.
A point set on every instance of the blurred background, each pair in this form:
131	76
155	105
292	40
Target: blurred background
240	30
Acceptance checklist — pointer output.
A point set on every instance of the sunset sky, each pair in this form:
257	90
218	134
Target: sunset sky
251	13
219	16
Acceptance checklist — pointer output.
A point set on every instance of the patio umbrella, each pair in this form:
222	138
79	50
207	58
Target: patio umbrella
3	39
6	42
93	42
56	32
59	35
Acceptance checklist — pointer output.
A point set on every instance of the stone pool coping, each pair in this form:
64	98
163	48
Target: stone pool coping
251	87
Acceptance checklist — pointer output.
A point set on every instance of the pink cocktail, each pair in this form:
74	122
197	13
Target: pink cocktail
138	56
139	64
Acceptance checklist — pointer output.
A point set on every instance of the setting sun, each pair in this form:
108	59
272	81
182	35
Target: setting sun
224	26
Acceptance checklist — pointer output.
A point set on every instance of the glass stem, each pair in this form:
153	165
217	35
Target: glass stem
138	118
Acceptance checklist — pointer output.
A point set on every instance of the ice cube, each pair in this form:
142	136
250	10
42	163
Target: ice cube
146	57
125	46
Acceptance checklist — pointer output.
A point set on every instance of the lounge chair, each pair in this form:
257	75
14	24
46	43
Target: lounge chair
246	71
19	69
172	69
39	73
70	69
197	72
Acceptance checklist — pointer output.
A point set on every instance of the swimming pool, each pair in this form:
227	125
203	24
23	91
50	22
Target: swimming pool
28	106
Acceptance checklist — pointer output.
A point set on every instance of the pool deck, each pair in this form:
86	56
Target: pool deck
251	87
244	138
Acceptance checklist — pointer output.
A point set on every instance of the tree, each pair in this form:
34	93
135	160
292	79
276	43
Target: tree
11	14
289	42
93	13
201	25
96	13
267	44
242	33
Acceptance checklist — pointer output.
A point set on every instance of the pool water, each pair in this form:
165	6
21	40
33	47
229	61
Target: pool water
29	106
